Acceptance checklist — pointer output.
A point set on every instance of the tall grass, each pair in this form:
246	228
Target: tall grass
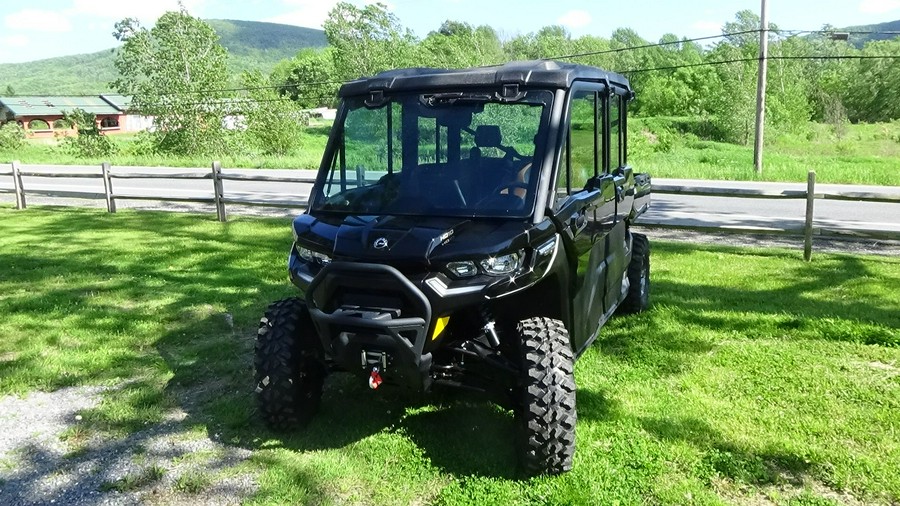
864	154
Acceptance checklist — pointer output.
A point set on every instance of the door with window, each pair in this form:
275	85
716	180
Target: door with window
623	177
585	208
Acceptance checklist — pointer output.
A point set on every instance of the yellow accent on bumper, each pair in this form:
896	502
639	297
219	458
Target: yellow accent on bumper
439	326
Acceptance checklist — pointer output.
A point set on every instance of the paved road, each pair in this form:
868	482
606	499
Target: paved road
667	209
833	215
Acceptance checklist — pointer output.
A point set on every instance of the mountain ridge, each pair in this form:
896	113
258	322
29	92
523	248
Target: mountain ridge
252	45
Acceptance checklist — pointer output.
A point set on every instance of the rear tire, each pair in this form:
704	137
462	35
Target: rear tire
638	297
546	414
289	373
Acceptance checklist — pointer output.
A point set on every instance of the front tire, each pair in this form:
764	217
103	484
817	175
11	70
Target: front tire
546	414
289	373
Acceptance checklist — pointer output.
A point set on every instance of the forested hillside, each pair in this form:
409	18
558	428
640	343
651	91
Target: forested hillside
880	31
251	45
689	92
713	82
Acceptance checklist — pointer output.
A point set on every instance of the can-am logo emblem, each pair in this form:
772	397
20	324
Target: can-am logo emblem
381	243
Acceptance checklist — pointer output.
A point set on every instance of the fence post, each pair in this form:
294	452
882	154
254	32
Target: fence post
17	184
107	188
810	201
218	191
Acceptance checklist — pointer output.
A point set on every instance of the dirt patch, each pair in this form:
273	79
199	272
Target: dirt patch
891	368
790	490
51	458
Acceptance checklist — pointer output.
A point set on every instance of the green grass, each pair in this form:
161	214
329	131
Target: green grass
135	481
754	375
864	154
192	482
129	153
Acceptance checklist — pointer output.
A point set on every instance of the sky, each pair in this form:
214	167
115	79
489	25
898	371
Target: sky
37	29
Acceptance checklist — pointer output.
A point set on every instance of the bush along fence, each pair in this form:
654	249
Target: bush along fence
219	198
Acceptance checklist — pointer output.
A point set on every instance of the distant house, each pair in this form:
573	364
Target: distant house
41	116
128	121
323	113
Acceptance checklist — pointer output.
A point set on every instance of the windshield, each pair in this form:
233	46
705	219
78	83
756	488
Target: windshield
452	154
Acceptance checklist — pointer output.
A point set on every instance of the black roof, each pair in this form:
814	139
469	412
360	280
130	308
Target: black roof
533	73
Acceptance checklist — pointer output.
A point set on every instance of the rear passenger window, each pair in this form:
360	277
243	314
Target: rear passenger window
616	155
580	158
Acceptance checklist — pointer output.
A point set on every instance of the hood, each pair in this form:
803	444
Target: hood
388	239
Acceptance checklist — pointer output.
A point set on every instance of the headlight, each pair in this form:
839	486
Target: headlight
464	269
502	265
313	256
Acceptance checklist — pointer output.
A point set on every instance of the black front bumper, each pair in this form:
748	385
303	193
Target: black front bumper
371	315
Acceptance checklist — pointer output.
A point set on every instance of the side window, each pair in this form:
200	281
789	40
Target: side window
583	139
616	154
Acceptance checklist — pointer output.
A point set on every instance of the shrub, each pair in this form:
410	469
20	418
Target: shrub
12	136
90	141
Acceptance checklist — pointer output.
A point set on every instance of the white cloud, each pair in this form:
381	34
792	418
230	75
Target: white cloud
15	41
575	19
148	11
38	21
879	6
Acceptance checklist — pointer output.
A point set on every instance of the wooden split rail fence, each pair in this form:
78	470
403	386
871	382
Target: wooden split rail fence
809	195
219	198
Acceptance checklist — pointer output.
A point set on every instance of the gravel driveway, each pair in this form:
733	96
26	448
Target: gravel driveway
43	460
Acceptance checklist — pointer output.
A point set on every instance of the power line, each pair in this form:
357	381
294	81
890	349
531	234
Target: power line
256	88
646	46
301	86
248	100
745	60
711	37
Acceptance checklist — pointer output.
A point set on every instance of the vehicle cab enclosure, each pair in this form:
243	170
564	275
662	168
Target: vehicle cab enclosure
452	204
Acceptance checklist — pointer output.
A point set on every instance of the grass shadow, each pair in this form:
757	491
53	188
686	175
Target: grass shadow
814	300
726	459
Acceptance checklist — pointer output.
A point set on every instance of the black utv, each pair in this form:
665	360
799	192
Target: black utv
469	229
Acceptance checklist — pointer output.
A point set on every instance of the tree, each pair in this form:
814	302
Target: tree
874	90
308	78
273	122
10	91
458	44
367	40
175	73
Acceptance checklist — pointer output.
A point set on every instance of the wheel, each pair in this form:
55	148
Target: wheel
546	398
289	373
638	297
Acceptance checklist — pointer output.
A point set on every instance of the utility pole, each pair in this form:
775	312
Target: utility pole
761	88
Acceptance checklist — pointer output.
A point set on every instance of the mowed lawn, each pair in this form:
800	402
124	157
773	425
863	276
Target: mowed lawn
755	378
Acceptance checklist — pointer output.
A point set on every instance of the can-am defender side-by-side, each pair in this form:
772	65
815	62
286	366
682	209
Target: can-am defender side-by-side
467	228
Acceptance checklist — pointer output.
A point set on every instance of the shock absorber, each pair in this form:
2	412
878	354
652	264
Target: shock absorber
490	331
